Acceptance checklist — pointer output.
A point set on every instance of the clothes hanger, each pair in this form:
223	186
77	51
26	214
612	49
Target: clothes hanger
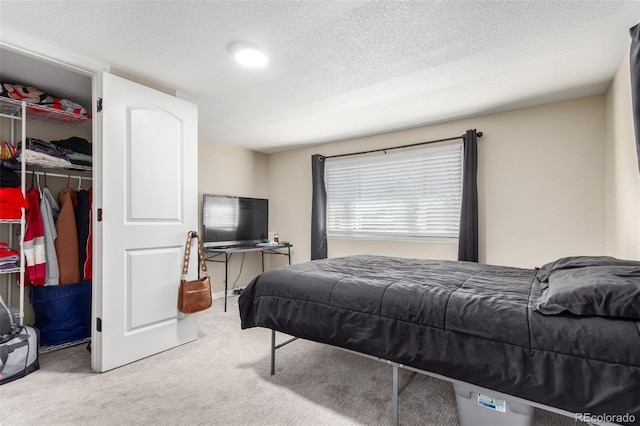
38	181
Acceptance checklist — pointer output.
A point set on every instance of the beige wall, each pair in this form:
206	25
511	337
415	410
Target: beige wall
555	180
622	178
540	179
228	170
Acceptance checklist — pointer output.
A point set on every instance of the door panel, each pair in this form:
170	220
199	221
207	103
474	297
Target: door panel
155	131
147	190
150	305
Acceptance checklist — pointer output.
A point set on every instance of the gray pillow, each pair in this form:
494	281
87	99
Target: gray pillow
610	291
573	262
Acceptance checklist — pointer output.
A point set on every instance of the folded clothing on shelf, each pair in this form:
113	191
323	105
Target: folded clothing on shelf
9	257
42	159
75	144
44	147
71	151
11	203
80	159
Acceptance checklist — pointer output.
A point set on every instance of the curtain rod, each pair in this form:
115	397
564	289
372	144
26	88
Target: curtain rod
479	134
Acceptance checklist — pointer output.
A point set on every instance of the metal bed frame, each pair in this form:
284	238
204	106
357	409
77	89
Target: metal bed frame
396	391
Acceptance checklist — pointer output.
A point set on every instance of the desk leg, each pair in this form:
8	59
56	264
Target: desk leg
226	278
289	254
262	254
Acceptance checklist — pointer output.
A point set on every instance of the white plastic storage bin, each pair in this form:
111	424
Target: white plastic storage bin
478	409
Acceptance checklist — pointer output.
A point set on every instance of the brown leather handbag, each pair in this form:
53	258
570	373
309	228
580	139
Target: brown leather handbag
194	296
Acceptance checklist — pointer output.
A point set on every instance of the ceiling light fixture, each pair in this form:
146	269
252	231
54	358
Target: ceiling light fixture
248	54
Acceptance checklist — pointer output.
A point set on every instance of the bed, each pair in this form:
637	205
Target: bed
565	336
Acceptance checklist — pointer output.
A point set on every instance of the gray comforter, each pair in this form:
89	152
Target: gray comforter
463	320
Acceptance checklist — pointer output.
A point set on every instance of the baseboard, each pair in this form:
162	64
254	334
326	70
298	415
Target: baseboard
220	294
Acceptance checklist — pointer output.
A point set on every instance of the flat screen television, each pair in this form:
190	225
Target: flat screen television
229	221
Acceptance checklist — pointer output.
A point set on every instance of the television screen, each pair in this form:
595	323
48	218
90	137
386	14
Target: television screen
229	221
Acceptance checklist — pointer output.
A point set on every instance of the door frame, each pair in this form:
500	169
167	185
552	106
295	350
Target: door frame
45	52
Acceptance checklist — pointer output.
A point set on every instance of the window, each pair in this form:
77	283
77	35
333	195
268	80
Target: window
408	195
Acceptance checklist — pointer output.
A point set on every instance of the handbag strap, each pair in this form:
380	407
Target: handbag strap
187	255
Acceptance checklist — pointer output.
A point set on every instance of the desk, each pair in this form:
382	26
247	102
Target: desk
228	253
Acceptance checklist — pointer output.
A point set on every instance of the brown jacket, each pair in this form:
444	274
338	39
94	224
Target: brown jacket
67	241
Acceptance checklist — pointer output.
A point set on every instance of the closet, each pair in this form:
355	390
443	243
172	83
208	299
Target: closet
35	169
144	198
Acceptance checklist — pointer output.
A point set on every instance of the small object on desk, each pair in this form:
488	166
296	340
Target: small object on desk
276	237
285	243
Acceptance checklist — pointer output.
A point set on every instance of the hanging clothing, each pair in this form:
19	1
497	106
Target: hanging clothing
87	271
83	225
49	210
67	241
34	251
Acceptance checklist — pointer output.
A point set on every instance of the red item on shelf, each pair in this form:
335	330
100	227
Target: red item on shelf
11	203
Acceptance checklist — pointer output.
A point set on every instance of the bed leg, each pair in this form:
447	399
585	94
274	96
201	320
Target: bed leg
273	352
395	394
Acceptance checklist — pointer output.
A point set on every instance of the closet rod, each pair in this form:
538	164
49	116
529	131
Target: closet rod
37	172
398	147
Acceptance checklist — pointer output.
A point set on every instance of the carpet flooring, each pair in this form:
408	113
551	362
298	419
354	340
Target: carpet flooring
223	379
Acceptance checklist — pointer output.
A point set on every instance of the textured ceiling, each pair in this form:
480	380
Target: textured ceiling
346	68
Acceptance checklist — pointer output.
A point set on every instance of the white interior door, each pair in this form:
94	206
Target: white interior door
145	202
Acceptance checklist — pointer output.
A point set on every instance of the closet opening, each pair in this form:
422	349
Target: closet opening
46	162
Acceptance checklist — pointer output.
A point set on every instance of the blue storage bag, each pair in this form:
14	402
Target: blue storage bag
63	312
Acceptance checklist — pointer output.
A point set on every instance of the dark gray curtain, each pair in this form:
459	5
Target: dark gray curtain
635	83
318	209
468	239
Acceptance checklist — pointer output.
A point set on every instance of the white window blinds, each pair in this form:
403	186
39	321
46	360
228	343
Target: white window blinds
408	195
